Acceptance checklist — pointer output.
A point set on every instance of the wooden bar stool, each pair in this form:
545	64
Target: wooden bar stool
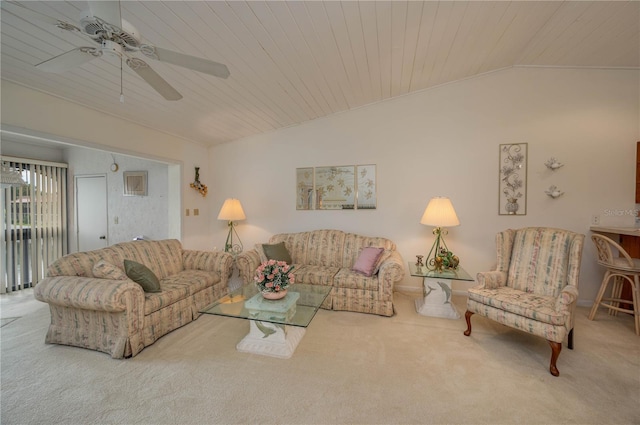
619	270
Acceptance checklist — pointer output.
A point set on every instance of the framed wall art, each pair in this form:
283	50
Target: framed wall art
135	183
343	187
513	179
366	184
304	188
335	187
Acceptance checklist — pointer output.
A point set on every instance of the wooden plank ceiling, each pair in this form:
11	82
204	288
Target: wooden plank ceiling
296	61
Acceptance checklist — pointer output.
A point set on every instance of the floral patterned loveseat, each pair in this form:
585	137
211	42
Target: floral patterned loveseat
113	314
325	257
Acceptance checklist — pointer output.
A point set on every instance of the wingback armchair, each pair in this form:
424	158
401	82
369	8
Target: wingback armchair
534	287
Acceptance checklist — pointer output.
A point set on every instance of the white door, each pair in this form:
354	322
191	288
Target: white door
91	212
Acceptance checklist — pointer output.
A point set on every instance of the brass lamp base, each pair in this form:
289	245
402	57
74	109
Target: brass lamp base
229	246
439	257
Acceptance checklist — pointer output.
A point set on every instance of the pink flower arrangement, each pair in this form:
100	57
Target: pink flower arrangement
274	276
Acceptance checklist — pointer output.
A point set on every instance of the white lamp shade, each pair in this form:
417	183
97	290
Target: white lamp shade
231	210
440	213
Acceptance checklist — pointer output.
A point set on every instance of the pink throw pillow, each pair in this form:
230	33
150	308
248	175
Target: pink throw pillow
366	262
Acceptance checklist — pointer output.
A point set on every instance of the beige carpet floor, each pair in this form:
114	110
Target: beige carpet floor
349	368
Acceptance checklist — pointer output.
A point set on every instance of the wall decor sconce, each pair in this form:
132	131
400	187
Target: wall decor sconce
553	164
554	192
200	187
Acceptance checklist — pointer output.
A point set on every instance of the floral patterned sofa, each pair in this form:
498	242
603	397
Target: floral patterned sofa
112	313
326	257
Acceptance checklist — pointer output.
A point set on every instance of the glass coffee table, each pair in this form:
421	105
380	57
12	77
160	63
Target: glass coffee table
275	326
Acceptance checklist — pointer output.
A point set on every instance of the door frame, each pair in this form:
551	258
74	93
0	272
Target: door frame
75	201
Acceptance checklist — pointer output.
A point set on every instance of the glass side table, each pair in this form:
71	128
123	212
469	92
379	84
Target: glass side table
436	300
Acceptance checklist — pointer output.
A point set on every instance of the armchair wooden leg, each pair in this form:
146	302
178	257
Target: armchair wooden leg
467	317
570	340
556	347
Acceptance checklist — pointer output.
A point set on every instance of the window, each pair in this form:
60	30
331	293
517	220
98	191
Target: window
34	222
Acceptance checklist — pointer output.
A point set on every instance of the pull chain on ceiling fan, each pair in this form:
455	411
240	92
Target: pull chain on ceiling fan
121	88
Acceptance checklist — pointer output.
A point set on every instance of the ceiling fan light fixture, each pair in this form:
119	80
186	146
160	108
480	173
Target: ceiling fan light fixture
112	48
89	24
100	26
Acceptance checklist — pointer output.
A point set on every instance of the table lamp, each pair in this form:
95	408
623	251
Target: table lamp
232	211
439	213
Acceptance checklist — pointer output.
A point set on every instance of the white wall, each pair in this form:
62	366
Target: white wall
23	150
445	141
52	117
442	141
128	216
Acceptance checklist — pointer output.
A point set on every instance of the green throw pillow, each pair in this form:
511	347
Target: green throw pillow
277	252
141	274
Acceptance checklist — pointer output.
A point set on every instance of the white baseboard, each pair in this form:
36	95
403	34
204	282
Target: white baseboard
401	288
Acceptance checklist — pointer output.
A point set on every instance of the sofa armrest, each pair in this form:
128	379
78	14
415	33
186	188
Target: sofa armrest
89	293
567	297
211	261
391	270
392	266
492	280
247	263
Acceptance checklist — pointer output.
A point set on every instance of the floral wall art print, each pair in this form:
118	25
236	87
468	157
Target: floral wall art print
346	187
335	188
366	179
304	188
513	179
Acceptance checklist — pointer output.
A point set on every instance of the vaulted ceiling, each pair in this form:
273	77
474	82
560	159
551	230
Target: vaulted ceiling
295	61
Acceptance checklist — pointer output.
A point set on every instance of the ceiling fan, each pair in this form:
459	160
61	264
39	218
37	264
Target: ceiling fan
103	24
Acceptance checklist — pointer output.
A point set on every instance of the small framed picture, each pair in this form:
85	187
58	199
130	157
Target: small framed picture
135	183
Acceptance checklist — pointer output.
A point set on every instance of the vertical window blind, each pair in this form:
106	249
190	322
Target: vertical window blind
34	222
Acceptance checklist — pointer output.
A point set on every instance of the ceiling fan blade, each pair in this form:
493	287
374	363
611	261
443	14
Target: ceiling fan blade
192	62
69	60
153	79
108	11
31	15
